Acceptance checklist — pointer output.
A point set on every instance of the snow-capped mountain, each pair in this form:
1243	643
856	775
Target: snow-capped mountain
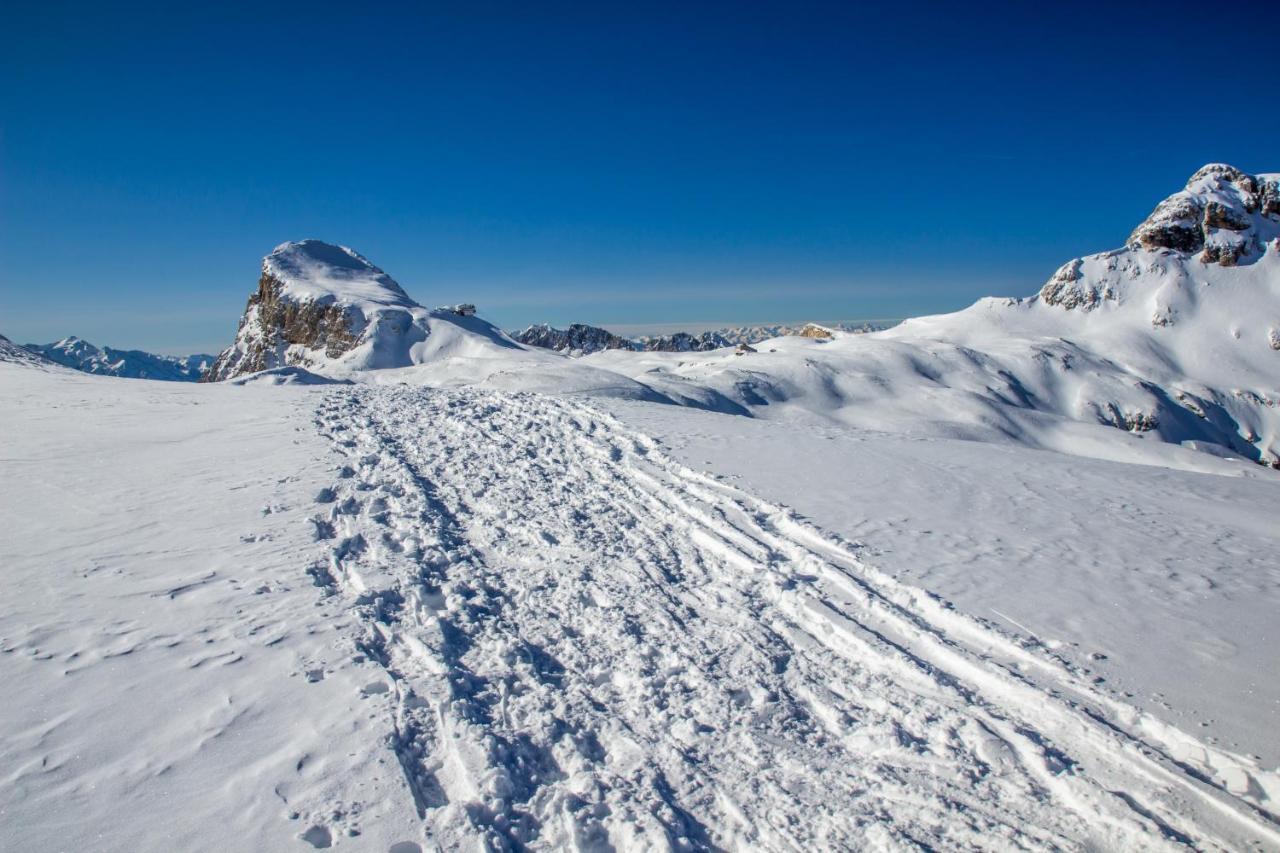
734	335
684	342
81	355
578	339
326	308
1175	336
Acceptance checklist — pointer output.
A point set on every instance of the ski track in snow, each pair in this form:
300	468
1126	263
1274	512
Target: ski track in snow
588	645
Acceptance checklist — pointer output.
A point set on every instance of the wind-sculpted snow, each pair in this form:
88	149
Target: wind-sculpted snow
585	644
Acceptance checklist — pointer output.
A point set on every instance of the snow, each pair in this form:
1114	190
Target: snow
255	616
313	270
1094	559
1002	578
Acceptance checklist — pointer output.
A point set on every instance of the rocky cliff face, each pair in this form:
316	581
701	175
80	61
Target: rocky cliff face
1223	217
278	331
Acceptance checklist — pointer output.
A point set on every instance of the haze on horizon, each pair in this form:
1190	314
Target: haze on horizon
661	165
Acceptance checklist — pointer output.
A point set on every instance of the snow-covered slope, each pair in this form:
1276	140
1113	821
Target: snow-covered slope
81	355
11	353
328	309
1175	337
242	617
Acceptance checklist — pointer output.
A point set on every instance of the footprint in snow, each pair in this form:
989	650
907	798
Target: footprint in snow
318	837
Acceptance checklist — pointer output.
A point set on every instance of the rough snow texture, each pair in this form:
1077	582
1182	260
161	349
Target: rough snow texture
328	309
81	355
588	644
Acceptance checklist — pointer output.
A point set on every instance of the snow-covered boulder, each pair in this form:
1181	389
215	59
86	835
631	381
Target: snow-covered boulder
328	309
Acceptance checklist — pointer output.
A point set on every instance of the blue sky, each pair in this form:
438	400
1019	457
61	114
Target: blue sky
646	163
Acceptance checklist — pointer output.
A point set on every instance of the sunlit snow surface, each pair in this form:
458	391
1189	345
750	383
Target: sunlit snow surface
256	617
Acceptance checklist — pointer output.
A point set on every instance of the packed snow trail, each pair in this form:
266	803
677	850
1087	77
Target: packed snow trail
588	645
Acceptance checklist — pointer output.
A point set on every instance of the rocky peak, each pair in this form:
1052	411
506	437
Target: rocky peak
1223	213
1223	216
317	302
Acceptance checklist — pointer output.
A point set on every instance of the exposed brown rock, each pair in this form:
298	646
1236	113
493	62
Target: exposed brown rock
813	330
1220	216
281	323
1175	224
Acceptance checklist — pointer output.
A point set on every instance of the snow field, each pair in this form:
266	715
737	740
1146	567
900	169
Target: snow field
588	642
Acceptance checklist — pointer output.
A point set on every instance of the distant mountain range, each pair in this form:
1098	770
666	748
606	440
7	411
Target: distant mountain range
81	355
580	339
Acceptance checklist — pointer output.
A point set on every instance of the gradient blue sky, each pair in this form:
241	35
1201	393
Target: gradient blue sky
646	163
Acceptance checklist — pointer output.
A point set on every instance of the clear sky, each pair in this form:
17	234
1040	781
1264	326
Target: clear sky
599	162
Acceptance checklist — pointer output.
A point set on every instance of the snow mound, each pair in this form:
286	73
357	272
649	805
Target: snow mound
328	309
314	271
287	376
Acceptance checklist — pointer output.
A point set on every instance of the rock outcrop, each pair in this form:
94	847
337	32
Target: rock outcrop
1223	216
813	330
314	300
329	310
